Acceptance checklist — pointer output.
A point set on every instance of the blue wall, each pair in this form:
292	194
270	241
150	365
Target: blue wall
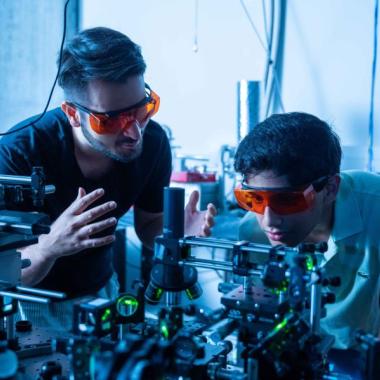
30	37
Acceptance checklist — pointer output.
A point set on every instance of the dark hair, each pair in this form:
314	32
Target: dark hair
99	53
296	144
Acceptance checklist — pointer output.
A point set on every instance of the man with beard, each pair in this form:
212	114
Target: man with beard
104	154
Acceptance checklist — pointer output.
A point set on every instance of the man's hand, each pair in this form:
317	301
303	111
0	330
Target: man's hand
72	231
198	223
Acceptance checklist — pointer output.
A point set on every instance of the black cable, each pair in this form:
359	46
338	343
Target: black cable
373	79
55	81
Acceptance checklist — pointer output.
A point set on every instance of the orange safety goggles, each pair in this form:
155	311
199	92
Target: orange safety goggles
282	201
113	121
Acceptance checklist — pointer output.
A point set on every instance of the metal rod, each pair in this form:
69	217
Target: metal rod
198	264
228	244
15	179
315	308
41	292
220	330
123	330
49	189
24	228
219	265
6	179
24	297
247	285
208	261
173	298
10	322
247	247
252	369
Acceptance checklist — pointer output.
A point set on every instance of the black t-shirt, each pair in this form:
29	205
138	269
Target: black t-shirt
49	143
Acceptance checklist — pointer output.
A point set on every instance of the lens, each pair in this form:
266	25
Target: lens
143	113
96	123
153	293
99	124
242	200
146	111
127	305
185	348
194	291
288	203
87	322
282	203
103	124
251	200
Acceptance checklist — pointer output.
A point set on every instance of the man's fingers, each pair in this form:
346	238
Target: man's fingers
210	214
98	242
193	200
211	209
81	192
94	213
94	228
209	219
84	200
205	231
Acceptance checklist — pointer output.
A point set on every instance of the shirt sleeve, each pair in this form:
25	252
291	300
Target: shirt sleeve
151	198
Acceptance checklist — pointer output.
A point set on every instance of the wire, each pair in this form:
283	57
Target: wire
55	81
196	11
269	36
253	26
265	20
373	80
270	64
277	85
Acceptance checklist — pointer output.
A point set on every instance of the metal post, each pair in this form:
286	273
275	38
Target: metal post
173	298
247	285
315	307
253	369
10	323
248	93
123	330
2	324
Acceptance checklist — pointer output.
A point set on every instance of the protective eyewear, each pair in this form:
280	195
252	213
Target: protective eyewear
282	201
114	121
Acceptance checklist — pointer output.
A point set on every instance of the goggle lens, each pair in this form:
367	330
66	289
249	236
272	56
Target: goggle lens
103	124
282	203
115	121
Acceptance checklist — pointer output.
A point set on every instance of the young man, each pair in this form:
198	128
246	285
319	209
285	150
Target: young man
290	165
104	154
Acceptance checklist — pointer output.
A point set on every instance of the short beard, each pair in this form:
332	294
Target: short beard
98	146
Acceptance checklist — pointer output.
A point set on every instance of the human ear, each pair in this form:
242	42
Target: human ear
71	114
332	187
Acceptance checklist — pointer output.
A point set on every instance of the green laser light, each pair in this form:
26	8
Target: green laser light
281	325
165	331
106	315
